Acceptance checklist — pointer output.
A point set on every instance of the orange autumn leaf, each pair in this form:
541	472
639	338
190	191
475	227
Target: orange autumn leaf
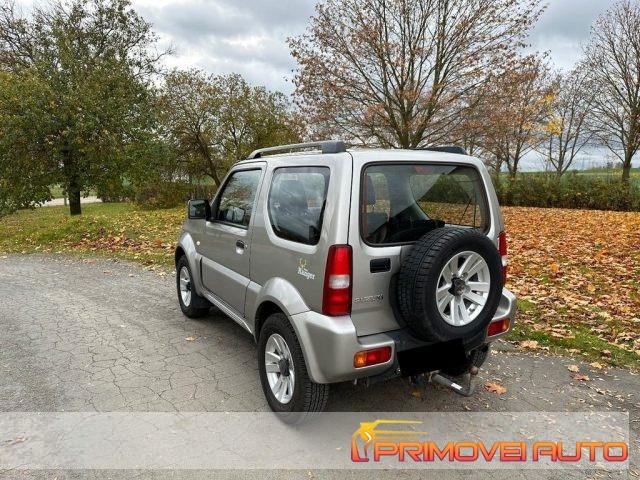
494	387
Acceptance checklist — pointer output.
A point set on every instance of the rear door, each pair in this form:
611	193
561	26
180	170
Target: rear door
400	202
226	244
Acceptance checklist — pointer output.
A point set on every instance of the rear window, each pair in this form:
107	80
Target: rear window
402	202
296	203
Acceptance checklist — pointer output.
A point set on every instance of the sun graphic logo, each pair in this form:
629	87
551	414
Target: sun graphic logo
368	434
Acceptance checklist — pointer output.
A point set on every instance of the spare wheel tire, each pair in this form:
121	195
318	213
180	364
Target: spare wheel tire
450	284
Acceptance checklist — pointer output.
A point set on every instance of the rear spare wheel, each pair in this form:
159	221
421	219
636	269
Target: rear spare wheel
450	284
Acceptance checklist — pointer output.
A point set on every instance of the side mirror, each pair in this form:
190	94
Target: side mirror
199	210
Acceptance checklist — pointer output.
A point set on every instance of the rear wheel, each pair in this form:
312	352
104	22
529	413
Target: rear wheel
191	304
283	372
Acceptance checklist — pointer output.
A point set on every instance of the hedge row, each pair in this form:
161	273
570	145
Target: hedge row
571	191
527	190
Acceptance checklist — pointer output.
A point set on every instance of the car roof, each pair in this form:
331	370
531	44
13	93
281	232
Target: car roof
368	155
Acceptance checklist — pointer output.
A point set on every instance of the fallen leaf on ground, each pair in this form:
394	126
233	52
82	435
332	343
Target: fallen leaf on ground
573	368
530	344
494	387
579	376
190	339
416	393
15	441
606	353
597	365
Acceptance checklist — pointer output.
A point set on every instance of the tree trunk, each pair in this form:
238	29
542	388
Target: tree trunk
75	207
626	167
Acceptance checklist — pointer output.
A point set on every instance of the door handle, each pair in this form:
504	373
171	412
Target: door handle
240	246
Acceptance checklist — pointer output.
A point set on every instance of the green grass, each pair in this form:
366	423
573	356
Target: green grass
111	229
589	344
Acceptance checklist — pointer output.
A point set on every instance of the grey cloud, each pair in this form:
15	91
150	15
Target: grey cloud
564	27
220	35
248	37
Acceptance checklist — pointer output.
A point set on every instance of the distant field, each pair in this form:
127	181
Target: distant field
613	174
576	272
57	192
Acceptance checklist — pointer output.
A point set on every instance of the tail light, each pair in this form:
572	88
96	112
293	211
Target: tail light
497	327
336	297
502	249
366	358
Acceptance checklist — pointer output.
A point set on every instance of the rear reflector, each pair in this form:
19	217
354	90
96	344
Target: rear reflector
502	249
497	327
366	358
336	297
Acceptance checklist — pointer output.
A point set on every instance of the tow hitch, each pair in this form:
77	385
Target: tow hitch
465	387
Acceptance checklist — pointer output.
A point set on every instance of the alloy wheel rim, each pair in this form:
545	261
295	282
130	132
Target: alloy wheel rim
279	367
463	288
185	286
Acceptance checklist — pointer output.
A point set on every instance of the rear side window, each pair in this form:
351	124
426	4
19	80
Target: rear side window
402	202
296	203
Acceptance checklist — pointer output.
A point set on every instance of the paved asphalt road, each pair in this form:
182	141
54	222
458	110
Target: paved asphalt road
99	335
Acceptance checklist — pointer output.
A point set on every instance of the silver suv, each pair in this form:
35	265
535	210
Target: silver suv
351	264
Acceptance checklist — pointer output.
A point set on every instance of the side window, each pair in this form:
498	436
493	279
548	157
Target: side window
296	203
236	201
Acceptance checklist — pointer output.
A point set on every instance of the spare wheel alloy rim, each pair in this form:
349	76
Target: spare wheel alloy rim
279	367
463	288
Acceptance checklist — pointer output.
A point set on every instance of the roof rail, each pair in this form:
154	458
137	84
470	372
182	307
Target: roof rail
447	149
326	146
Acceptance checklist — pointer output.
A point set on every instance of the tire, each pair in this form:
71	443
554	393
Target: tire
422	273
306	397
192	305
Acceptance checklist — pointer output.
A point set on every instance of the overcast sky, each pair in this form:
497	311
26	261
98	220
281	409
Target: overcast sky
249	36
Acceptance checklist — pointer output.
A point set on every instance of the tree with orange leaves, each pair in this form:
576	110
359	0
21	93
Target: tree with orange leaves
395	73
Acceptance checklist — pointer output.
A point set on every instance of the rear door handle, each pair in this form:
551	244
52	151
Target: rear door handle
240	246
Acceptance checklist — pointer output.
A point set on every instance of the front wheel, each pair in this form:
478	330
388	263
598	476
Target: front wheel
191	304
283	372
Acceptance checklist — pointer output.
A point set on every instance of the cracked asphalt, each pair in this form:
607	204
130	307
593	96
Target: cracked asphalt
102	335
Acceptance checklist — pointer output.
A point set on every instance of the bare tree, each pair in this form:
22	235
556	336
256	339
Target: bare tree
567	132
513	109
612	60
395	72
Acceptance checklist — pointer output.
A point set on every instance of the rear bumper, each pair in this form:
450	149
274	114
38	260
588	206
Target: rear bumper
330	343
